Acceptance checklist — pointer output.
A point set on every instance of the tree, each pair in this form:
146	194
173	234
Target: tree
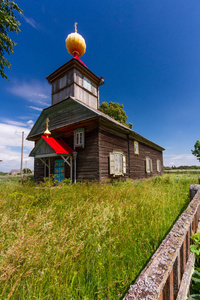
8	23
196	150
115	111
26	171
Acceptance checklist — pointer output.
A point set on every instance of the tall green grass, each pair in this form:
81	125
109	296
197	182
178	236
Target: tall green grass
83	241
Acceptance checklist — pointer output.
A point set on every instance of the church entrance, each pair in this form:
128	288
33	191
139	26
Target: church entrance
59	171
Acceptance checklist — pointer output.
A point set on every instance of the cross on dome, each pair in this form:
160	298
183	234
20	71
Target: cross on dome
75	26
75	43
47	132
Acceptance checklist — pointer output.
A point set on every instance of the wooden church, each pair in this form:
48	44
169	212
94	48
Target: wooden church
74	139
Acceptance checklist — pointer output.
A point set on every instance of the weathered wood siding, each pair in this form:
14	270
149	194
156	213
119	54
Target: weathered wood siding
62	114
85	92
110	140
73	84
138	162
62	87
44	149
70	78
62	94
38	170
93	160
87	158
87	164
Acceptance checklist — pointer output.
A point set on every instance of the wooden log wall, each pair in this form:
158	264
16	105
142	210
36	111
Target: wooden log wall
62	87
38	170
138	162
88	158
110	140
93	160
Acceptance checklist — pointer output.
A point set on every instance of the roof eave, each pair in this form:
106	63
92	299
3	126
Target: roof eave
61	71
35	137
104	117
134	134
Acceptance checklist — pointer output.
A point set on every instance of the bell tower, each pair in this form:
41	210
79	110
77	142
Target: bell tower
74	78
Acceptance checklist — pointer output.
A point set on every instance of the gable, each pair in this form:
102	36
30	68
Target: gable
41	148
64	113
46	147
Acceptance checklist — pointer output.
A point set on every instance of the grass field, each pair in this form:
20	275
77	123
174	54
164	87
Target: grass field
84	241
183	171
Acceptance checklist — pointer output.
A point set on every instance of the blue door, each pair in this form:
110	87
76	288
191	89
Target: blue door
59	171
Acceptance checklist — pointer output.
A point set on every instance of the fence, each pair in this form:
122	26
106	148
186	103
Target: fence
168	274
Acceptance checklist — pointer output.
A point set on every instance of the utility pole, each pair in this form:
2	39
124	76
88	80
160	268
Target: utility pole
22	153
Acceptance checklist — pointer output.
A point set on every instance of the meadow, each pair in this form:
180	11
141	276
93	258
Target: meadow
182	171
84	241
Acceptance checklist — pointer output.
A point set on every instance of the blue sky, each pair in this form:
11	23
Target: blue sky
148	52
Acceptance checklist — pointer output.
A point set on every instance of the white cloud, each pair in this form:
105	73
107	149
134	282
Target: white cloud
41	95
183	156
35	108
33	91
185	159
30	123
11	135
31	22
11	159
16	123
10	147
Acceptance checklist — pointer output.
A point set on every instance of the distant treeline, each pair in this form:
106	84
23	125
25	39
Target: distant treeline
182	168
2	173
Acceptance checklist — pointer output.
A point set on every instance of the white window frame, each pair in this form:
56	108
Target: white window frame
149	165
79	138
158	166
136	148
117	163
87	84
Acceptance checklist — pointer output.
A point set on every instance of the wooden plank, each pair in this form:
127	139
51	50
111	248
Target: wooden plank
60	115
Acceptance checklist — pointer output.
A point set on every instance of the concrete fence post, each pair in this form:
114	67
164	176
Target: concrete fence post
193	190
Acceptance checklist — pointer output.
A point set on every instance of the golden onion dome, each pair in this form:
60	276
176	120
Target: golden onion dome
75	43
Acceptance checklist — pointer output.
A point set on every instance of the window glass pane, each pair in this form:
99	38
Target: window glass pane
81	138
148	164
77	138
158	166
87	84
118	163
